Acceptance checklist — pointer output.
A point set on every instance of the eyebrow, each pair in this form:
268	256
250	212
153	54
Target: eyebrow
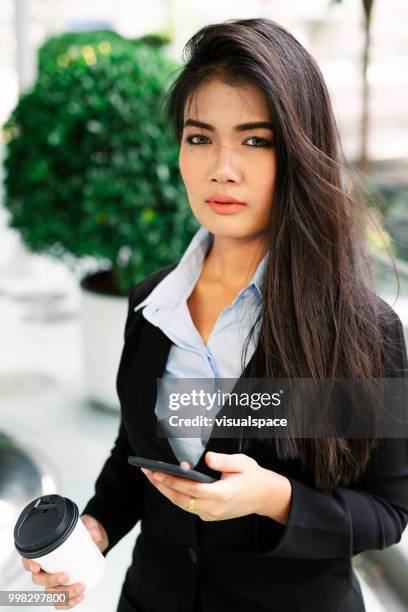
238	128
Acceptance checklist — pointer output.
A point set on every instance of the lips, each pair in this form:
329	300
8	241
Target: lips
226	208
220	198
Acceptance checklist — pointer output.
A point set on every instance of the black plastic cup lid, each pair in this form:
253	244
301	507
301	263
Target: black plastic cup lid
44	524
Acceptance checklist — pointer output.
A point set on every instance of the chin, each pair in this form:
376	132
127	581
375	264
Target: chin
227	229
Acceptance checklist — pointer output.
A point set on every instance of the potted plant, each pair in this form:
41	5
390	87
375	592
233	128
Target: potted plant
91	169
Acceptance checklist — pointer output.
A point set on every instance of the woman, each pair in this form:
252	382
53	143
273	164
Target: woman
274	287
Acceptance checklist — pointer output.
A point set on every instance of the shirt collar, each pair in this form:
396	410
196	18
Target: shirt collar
258	276
174	287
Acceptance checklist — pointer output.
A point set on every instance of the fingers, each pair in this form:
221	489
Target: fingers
38	576
55	583
175	496
237	462
71	603
29	565
188	487
76	592
95	534
92	526
181	500
49	580
96	531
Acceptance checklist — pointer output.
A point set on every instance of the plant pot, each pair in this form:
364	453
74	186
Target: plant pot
102	317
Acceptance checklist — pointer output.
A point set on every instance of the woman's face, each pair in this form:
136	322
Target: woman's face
222	159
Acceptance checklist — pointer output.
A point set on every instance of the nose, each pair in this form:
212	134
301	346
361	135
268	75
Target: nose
226	167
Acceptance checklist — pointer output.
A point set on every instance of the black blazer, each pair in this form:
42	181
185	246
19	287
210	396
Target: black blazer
251	563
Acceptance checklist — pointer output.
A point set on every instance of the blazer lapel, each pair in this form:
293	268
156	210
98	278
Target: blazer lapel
156	347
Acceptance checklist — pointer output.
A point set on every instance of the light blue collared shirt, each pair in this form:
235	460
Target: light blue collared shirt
189	357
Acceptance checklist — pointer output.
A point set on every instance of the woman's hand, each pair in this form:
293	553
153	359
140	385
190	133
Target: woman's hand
244	488
53	582
96	531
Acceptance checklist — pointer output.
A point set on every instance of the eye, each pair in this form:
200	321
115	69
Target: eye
188	140
264	141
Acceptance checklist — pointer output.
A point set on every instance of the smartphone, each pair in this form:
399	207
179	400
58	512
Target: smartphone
169	468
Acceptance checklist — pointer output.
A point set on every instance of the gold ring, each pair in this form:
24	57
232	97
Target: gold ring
191	504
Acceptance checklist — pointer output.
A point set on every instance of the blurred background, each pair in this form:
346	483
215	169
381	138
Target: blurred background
91	201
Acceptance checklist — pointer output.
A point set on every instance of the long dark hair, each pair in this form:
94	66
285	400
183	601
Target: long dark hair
320	317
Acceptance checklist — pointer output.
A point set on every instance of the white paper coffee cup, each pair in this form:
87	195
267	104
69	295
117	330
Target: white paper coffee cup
50	532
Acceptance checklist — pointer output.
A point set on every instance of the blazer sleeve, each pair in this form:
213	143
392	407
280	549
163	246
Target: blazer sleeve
370	515
119	488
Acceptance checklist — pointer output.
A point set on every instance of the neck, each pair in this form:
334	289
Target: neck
233	261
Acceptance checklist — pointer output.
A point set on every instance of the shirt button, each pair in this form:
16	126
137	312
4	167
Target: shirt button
192	554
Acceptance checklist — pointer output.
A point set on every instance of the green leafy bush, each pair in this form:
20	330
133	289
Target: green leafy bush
50	54
71	43
91	165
